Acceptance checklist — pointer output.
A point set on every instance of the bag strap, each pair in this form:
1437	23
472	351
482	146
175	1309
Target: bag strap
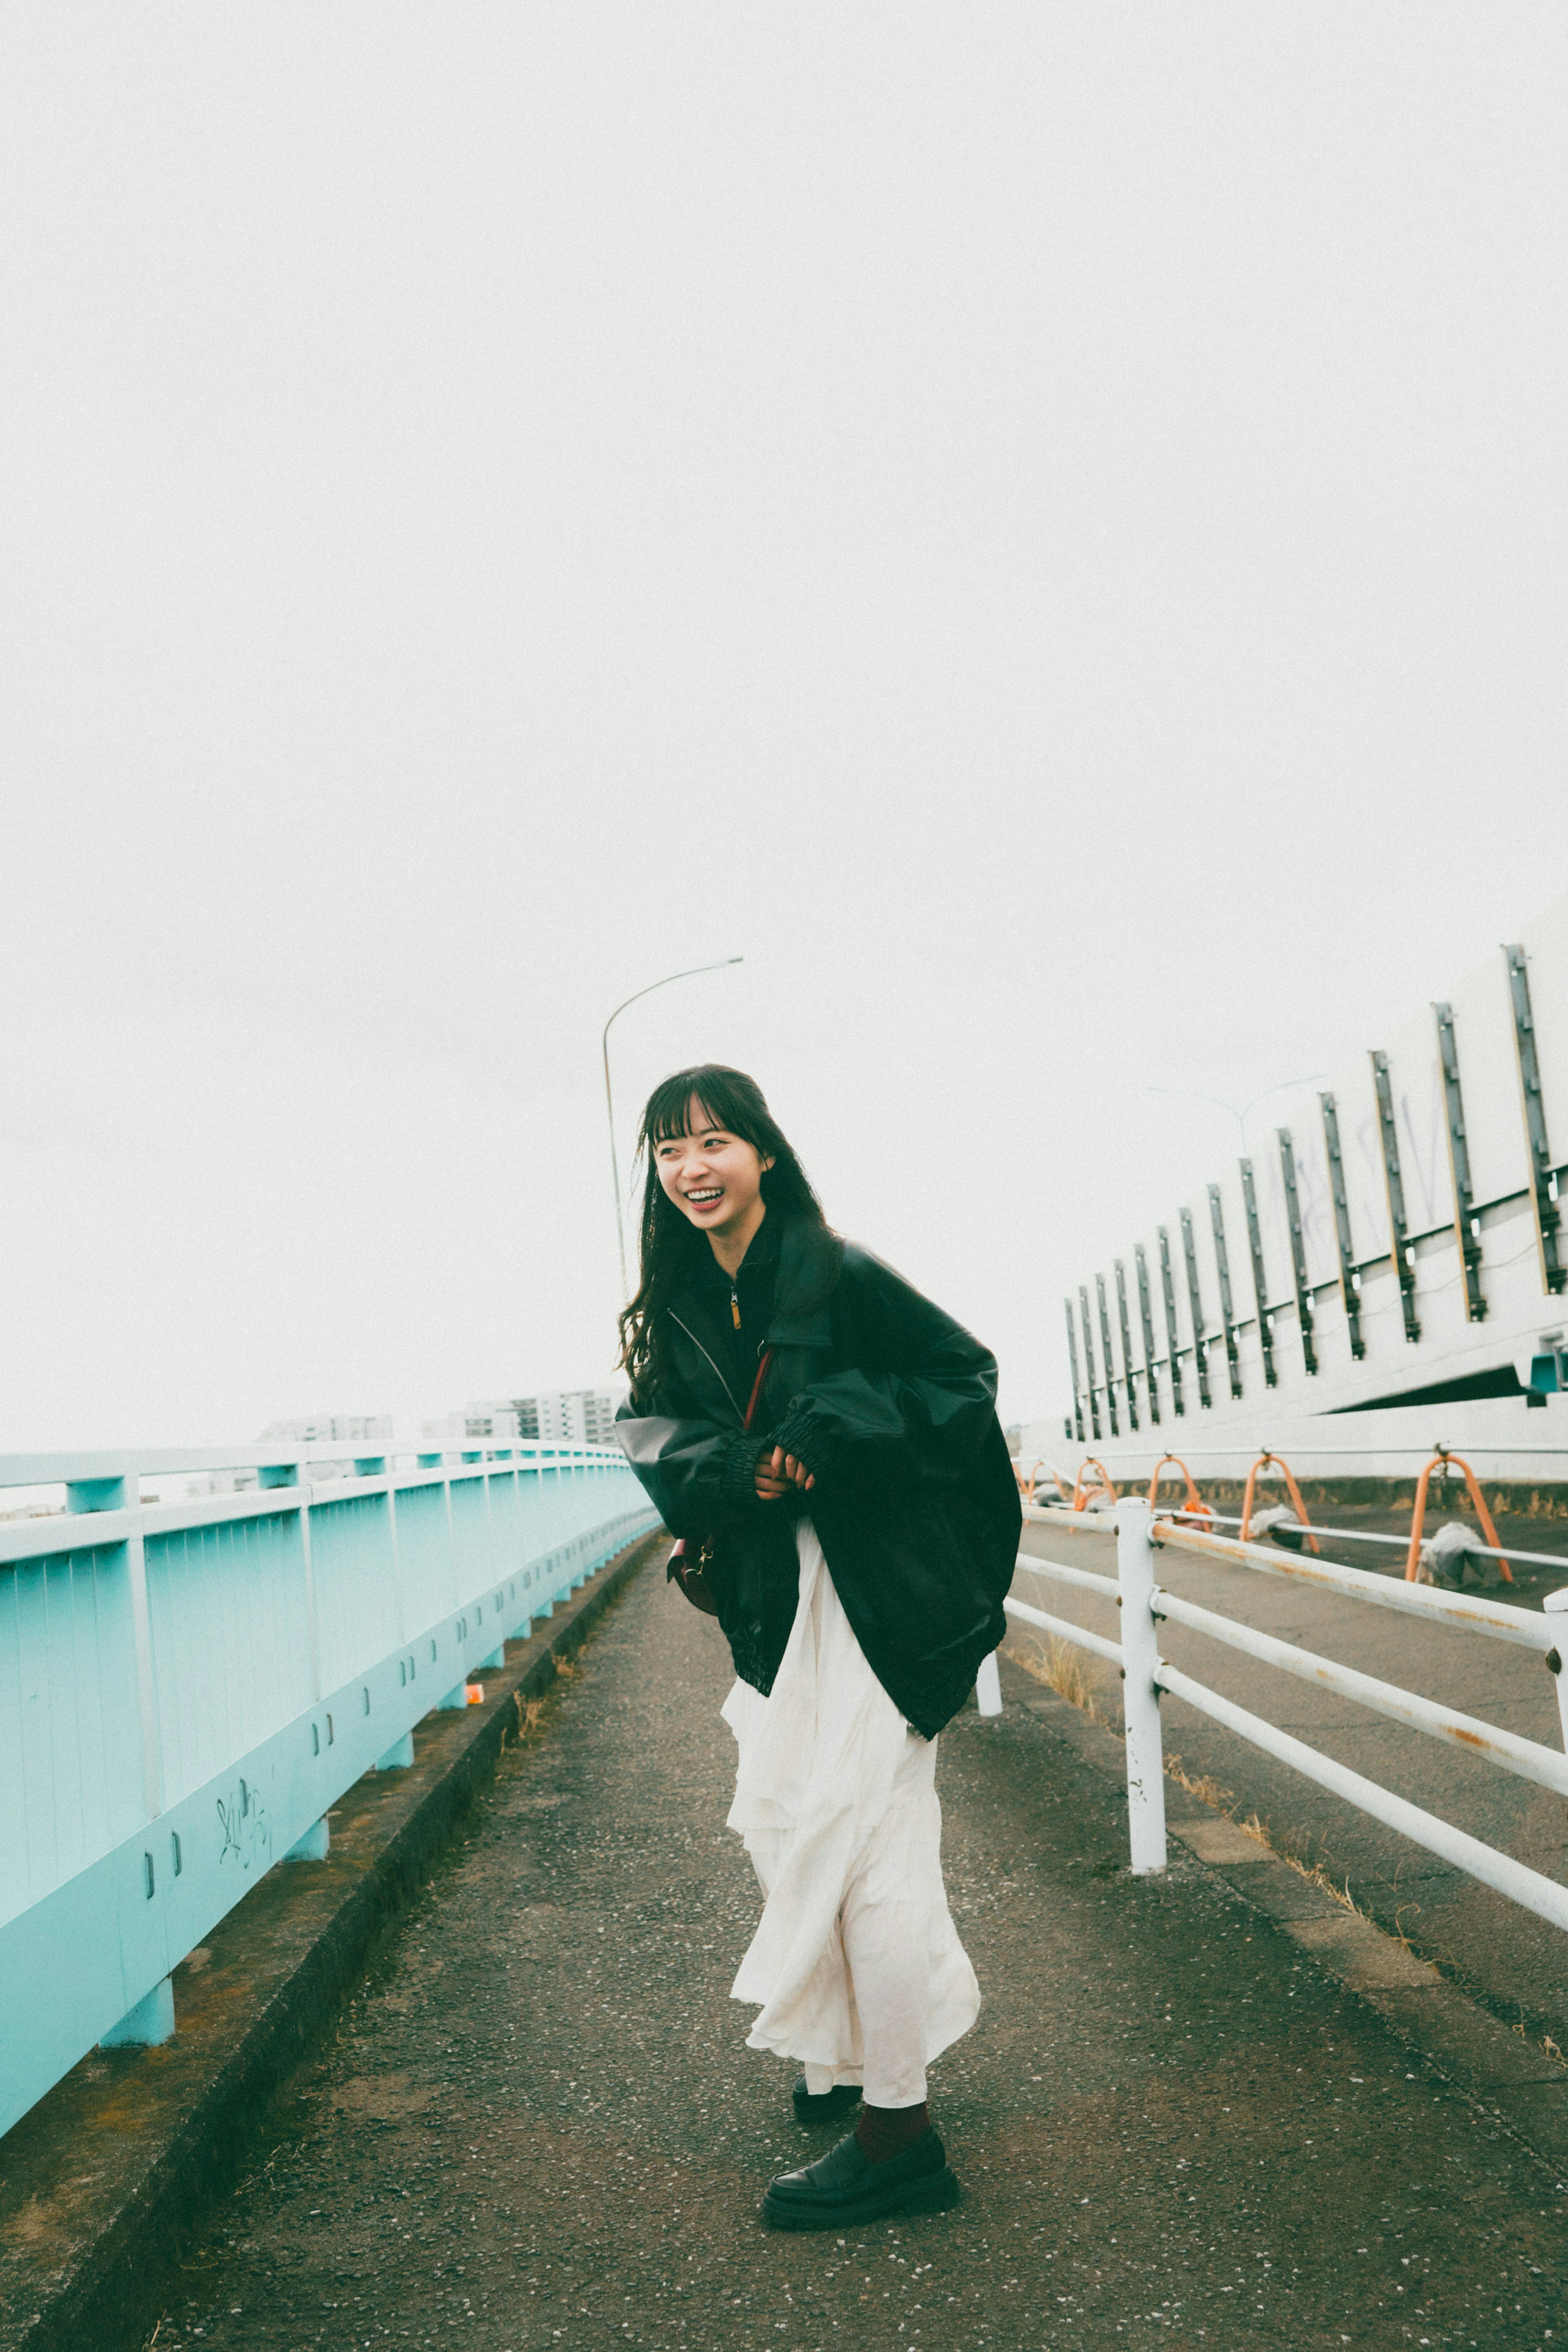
675	1567
757	1386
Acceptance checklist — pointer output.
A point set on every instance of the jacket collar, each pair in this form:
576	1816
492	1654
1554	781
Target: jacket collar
811	1259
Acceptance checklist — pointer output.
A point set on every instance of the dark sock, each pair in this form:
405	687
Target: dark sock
888	2131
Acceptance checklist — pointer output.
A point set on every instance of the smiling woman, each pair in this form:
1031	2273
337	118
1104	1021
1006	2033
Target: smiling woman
717	1161
824	1442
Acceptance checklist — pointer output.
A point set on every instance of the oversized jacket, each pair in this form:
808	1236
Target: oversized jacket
892	1405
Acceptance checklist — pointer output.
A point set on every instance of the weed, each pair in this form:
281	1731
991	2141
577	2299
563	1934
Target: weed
1060	1665
1206	1788
1203	1786
1313	1872
528	1711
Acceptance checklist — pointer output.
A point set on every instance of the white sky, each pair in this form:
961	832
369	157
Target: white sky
1042	527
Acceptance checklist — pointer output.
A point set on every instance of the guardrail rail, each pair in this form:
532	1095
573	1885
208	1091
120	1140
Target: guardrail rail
187	1687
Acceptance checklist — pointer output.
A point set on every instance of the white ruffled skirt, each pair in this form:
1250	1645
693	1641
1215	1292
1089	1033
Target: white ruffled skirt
856	1965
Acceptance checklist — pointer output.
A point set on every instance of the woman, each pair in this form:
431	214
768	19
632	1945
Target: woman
824	1441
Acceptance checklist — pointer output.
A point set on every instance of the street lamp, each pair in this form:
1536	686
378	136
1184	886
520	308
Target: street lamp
609	1099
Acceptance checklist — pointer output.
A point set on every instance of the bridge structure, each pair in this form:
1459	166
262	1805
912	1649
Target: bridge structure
535	2122
1259	1847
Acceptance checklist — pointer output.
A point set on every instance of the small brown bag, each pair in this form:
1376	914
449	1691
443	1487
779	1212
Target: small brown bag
691	1573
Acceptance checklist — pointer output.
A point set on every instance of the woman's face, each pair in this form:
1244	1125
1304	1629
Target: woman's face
713	1177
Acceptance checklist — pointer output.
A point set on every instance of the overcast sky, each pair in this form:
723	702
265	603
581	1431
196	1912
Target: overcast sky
1040	527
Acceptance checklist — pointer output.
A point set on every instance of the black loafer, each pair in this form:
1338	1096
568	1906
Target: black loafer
825	2107
844	2187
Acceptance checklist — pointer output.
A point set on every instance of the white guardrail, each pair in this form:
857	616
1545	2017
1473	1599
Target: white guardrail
187	1687
1144	1604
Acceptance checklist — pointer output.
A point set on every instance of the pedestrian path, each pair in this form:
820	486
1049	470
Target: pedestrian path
538	2125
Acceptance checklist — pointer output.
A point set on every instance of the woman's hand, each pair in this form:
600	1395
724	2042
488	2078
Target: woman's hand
776	1472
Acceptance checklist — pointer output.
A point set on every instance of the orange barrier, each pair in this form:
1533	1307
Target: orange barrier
1080	1498
1030	1480
1300	1509
1443	1457
1195	1512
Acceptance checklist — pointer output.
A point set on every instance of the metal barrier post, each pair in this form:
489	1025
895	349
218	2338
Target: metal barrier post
1140	1698
1556	1607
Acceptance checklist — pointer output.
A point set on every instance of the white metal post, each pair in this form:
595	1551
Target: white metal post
1557	1607
1141	1703
988	1687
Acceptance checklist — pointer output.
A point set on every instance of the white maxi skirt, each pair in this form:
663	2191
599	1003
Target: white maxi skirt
856	1965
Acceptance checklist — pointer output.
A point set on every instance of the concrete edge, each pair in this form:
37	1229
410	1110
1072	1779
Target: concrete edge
177	2124
1515	2085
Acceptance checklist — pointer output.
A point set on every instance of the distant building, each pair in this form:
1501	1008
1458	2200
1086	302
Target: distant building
328	1429
554	1417
569	1416
488	1424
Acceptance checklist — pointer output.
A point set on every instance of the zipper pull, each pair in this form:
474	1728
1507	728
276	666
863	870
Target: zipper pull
735	1305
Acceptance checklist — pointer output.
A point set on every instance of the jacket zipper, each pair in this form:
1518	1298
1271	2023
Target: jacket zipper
703	1351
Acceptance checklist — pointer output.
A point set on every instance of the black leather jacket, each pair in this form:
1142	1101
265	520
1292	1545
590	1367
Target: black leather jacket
893	1406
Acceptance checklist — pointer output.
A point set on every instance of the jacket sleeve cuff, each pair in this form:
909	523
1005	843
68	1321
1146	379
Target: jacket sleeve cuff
800	1434
737	1474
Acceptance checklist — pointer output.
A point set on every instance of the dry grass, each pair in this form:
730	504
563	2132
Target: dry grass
1060	1665
1208	1792
565	1668
1313	1872
527	1712
1203	1785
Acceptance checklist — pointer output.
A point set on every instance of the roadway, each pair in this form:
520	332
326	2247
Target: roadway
538	2125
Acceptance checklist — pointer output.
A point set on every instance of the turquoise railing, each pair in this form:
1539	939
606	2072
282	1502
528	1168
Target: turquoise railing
186	1687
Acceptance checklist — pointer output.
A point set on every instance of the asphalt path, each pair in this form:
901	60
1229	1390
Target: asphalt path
538	2125
1517	1964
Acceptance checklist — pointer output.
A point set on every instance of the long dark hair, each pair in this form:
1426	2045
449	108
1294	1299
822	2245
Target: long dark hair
669	1245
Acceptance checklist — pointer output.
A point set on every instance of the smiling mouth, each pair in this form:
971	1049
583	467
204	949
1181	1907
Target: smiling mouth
704	1200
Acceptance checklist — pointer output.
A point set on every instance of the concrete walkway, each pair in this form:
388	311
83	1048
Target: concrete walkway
539	2126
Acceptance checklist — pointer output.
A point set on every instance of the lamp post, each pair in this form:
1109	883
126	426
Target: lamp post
610	1100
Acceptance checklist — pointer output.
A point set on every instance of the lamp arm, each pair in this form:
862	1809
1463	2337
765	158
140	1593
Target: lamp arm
609	1099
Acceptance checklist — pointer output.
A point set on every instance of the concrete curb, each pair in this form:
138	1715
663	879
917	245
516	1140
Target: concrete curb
1512	2083
106	2177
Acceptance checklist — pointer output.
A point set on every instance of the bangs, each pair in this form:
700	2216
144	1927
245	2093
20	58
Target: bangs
674	1119
706	1093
